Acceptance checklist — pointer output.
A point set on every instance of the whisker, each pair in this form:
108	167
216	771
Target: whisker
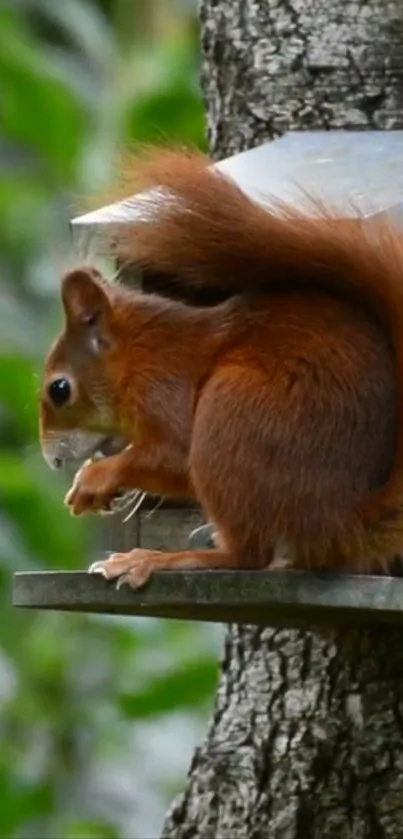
135	508
125	501
154	509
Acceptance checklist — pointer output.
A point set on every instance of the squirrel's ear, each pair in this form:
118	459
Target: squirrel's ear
86	304
85	300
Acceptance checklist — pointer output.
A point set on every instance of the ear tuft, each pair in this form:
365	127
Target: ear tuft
84	296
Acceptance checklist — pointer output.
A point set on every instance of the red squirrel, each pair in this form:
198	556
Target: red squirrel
278	408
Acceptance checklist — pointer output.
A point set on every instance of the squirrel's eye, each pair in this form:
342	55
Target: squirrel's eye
59	392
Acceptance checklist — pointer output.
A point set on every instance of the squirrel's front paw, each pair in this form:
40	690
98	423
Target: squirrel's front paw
93	490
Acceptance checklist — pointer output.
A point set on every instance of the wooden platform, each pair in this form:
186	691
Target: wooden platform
278	598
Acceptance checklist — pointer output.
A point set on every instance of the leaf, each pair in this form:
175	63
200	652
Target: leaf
53	116
86	28
185	687
18	391
88	829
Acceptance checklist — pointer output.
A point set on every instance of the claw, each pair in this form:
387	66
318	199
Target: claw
121	581
98	568
133	568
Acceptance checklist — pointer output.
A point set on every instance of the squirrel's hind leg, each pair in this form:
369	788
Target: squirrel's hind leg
137	566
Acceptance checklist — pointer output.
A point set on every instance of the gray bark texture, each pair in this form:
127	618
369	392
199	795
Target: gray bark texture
306	738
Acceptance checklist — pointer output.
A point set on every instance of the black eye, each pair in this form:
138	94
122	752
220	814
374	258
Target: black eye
59	392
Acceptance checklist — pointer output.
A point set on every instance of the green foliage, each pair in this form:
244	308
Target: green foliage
191	684
76	692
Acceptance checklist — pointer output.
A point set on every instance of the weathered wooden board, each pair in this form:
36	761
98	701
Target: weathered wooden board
292	599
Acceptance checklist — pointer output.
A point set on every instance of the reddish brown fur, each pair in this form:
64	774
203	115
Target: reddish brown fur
281	408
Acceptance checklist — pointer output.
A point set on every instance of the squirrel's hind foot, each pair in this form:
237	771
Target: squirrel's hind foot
136	567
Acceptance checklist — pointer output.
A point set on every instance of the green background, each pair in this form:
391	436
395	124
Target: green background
98	715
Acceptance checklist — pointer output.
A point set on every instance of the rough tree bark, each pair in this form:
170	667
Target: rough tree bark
306	740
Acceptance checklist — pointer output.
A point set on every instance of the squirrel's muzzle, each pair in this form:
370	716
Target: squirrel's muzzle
59	449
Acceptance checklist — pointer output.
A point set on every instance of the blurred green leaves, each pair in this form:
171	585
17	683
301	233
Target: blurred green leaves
87	830
78	80
192	683
52	116
18	395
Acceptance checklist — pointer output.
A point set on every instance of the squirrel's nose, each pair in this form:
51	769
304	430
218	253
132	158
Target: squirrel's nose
54	460
54	449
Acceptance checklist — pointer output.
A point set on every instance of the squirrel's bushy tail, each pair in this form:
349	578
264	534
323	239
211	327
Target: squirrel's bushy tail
197	225
201	228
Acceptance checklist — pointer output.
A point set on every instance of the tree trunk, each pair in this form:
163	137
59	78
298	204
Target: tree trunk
306	740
